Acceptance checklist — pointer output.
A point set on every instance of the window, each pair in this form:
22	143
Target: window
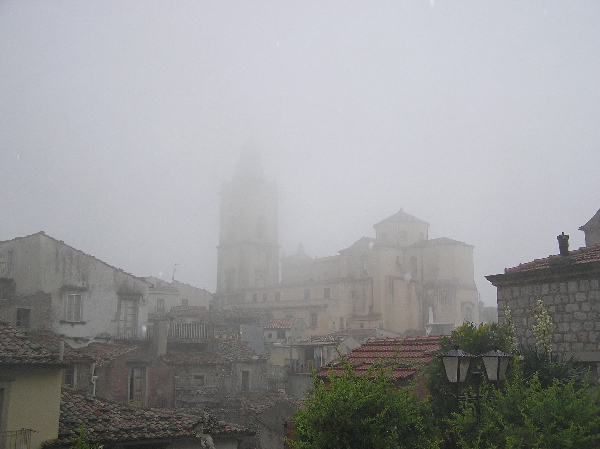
313	319
277	296
128	314
307	293
184	302
255	297
199	380
137	386
70	376
281	334
245	380
160	305
326	293
73	307
23	318
270	335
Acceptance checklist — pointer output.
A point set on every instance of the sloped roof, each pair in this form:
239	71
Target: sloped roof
441	241
592	223
42	233
196	311
110	422
582	255
401	216
104	352
224	352
283	323
403	355
15	348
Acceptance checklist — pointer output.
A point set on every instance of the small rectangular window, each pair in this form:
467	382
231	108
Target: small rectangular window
137	386
280	334
313	319
255	297
245	380
73	307
277	296
23	318
326	293
199	380
160	305
70	376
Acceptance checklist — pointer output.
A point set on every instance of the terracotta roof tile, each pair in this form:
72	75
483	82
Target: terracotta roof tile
109	422
404	355
15	348
283	323
224	352
579	256
104	352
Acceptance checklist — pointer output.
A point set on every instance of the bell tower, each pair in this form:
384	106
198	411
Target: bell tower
248	251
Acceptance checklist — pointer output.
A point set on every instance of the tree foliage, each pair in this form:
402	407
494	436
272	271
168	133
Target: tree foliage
527	415
475	340
82	443
353	411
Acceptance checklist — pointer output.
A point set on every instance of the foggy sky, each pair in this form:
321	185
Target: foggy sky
120	120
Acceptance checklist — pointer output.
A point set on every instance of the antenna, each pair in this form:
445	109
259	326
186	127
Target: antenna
174	270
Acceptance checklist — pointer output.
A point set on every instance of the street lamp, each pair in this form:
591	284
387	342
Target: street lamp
456	364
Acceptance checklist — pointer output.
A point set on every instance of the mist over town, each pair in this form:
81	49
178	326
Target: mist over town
280	179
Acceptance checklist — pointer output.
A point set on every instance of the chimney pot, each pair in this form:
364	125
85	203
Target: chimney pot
563	244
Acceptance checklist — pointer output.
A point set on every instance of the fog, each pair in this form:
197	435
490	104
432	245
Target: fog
120	120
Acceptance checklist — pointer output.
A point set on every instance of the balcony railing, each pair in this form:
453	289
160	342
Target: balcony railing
16	439
188	331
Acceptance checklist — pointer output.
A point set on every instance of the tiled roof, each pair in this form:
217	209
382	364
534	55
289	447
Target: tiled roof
52	341
583	255
198	311
224	352
109	422
284	323
15	348
404	355
104	352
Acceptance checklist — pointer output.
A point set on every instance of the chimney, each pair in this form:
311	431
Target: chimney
563	244
160	332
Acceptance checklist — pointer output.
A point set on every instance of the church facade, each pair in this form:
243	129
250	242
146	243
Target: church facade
398	281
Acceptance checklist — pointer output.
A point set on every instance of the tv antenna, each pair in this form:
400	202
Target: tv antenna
174	270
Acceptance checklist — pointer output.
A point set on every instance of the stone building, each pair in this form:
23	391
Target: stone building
399	281
49	285
568	284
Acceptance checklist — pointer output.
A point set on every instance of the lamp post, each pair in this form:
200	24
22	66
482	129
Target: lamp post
457	362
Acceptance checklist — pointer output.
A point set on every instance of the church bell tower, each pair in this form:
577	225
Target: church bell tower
248	251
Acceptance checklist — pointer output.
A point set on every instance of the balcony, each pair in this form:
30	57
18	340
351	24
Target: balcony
188	331
16	439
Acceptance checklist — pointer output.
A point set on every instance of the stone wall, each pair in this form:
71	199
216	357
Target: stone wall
574	306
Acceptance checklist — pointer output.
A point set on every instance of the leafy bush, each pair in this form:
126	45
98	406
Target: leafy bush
526	415
352	411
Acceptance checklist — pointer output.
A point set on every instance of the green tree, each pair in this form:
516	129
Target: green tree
475	340
82	443
353	411
526	415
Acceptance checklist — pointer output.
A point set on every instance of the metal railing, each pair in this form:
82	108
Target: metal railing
188	331
16	439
